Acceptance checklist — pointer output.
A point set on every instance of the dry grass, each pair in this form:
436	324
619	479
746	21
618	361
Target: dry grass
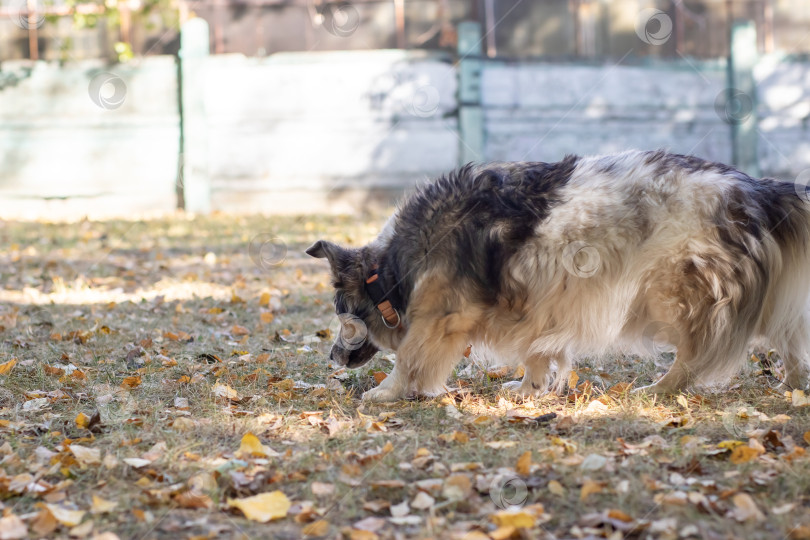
177	303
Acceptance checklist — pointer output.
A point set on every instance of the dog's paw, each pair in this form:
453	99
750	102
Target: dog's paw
523	389
380	394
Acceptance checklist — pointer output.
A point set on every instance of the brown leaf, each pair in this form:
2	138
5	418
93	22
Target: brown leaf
131	382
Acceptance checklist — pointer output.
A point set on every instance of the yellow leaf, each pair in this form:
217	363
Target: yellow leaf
68	518
266	317
82	420
251	446
503	533
524	463
316	528
264	299
573	379
5	368
263	507
729	444
556	488
744	454
519	519
102	506
482	420
589	488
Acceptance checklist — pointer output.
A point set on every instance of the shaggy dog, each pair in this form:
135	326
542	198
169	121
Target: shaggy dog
545	262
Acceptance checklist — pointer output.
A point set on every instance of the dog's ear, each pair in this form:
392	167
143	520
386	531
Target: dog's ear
325	250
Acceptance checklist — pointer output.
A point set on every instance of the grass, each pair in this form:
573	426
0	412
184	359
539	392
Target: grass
151	324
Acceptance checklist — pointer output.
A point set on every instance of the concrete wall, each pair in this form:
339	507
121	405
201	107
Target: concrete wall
331	125
784	118
334	131
62	155
541	112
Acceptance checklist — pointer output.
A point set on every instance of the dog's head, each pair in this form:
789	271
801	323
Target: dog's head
361	327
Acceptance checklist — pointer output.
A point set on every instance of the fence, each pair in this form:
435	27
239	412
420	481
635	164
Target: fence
334	131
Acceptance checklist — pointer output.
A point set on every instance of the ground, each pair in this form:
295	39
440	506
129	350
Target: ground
157	375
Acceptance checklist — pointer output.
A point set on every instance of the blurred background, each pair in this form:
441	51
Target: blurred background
135	107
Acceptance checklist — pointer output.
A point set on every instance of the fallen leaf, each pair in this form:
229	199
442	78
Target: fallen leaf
518	519
137	463
556	488
7	367
263	507
224	391
316	528
524	463
589	488
744	454
321	489
745	508
422	501
12	527
84	455
799	399
102	506
251	446
131	382
65	516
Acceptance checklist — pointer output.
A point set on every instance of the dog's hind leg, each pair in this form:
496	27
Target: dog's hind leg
796	356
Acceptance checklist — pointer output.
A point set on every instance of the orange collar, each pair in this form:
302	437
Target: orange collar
375	290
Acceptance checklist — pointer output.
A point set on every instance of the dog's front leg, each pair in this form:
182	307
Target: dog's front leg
393	388
425	358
